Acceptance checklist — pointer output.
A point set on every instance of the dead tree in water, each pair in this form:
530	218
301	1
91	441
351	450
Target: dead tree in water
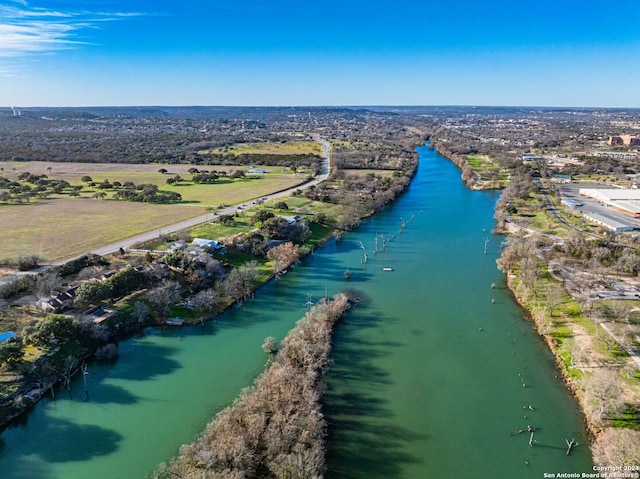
570	445
85	373
364	253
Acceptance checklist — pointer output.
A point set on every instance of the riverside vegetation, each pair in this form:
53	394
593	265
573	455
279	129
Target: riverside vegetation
276	428
557	263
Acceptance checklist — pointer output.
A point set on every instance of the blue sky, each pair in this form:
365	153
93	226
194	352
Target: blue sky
324	52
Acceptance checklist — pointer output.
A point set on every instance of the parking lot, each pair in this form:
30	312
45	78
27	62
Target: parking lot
594	208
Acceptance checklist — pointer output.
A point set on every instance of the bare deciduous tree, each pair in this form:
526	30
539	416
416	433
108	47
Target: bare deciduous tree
165	295
46	282
603	395
276	428
617	446
240	281
554	298
619	311
140	311
270	345
529	271
204	300
283	256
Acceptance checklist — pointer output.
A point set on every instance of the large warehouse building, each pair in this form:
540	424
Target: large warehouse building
622	199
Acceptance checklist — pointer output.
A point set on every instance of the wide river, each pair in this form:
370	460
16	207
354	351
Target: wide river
435	373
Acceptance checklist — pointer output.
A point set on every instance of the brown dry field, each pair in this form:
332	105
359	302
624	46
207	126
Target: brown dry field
138	173
63	227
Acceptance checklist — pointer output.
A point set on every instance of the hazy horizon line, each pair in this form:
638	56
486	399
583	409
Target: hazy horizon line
364	105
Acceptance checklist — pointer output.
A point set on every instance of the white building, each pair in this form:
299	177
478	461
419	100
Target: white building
609	223
625	200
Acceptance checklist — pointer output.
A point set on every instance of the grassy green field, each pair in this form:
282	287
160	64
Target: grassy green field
210	195
365	172
236	191
487	169
288	148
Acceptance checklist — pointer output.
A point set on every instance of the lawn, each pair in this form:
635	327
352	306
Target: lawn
223	191
486	168
305	206
365	172
234	191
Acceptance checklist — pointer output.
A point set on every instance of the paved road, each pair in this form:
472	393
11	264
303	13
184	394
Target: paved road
550	207
151	235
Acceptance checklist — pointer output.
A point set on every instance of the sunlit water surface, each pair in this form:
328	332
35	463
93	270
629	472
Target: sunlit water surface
433	372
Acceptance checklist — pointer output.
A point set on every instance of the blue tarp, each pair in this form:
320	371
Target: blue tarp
6	336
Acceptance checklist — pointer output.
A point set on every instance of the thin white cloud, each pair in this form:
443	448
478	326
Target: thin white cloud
16	13
27	30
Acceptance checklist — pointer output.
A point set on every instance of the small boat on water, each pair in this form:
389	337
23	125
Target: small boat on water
387	269
347	274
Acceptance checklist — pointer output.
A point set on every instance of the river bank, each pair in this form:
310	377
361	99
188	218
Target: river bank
541	325
470	178
602	384
567	335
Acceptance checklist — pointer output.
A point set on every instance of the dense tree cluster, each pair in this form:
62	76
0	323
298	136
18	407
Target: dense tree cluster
360	196
280	228
602	252
262	215
147	193
283	256
76	265
51	331
240	282
11	353
123	282
206	176
31	186
17	285
254	244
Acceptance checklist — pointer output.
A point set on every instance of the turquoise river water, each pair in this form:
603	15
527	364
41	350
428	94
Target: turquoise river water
433	372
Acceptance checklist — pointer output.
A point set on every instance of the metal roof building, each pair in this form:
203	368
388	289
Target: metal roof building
625	200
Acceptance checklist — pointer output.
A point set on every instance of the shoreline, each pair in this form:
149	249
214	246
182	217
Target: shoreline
569	382
258	425
27	404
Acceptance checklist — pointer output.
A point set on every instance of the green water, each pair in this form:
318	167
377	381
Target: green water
427	379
